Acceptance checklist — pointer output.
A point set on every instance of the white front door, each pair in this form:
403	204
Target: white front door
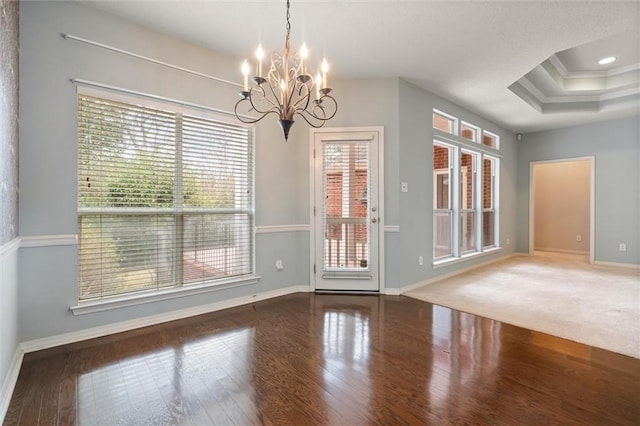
346	209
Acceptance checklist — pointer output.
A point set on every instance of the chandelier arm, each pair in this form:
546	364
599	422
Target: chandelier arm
301	114
332	101
252	120
324	99
306	98
243	119
264	96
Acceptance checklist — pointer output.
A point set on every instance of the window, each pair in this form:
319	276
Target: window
442	209
469	131
468	211
491	140
165	197
444	122
465	195
488	201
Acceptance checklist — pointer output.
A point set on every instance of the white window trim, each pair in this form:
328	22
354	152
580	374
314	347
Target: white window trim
495	198
134	299
494	136
476	130
455	125
440	263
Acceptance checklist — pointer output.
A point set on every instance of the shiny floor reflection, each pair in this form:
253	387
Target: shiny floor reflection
328	359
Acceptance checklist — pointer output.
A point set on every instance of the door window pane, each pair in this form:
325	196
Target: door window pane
345	209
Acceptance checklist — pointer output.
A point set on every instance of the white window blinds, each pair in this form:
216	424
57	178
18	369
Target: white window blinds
165	198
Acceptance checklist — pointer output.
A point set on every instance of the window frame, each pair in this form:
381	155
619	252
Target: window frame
495	163
479	151
477	131
450	202
475	156
178	287
454	122
492	135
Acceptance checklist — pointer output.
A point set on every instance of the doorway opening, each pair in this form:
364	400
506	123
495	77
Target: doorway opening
561	206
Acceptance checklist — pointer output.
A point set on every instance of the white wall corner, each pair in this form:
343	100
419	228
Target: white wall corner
9	383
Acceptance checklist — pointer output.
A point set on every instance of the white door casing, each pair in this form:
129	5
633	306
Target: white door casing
347	230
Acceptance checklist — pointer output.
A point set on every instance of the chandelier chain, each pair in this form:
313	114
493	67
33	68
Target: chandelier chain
287	42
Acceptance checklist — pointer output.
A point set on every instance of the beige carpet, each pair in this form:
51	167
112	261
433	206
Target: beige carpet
562	295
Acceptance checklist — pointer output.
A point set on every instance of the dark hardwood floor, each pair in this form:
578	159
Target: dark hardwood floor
328	359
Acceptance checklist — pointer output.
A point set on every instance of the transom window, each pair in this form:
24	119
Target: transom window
165	197
469	131
445	122
489	139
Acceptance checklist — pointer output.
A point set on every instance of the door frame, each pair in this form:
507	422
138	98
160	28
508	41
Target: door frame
592	200
312	188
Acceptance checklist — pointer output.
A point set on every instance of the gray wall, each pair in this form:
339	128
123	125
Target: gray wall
616	147
48	201
415	165
374	102
9	41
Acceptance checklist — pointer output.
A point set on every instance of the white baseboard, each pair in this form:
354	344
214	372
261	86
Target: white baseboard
457	272
9	383
91	333
617	265
563	251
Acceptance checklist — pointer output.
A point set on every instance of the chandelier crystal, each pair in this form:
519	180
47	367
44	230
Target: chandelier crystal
288	89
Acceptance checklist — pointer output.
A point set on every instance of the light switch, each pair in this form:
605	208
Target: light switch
404	186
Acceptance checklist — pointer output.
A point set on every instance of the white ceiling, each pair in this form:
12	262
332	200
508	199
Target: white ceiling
469	52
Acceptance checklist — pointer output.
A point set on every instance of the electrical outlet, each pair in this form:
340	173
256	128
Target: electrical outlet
279	265
578	238
420	260
623	247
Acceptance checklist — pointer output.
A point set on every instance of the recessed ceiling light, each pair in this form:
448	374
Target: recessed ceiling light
607	60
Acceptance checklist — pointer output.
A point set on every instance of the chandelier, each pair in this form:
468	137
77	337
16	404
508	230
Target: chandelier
286	90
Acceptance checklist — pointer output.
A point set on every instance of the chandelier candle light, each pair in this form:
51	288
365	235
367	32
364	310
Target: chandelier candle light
287	89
